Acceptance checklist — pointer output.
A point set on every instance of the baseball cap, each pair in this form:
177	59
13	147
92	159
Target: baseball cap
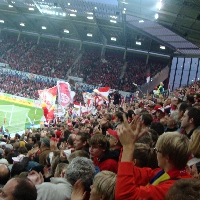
9	146
54	139
113	133
2	143
4	161
19	158
158	107
46	141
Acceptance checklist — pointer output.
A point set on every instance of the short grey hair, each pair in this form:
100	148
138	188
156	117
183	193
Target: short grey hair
80	168
175	116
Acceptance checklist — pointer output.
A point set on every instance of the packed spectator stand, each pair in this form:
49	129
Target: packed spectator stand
115	144
107	72
60	161
47	59
22	86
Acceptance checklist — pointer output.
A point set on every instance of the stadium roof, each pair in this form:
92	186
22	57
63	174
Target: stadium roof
130	25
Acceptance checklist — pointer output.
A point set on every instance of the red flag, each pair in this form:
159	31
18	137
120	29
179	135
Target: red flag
48	98
65	95
103	92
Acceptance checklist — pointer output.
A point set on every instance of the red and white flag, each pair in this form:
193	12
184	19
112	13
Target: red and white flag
148	77
79	109
65	95
103	92
48	99
88	100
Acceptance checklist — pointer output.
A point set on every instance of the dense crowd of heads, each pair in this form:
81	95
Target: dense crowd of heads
98	156
143	148
47	59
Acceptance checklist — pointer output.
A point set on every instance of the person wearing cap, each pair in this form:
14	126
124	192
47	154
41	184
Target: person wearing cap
101	154
45	149
114	141
9	146
159	113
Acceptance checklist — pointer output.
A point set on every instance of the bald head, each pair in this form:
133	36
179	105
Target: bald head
4	174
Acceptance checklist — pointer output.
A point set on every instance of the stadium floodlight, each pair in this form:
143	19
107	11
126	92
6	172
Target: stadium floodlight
113	16
22	24
141	21
95	8
64	14
68	4
113	38
31	8
66	31
113	21
159	4
10	6
73	11
1	21
162	47
89	34
89	17
72	15
44	27
156	16
138	43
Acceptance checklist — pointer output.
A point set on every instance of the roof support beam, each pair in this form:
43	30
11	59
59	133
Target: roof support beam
150	36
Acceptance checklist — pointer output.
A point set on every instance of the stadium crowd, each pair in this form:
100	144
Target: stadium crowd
86	63
44	58
146	149
22	86
47	59
135	72
108	71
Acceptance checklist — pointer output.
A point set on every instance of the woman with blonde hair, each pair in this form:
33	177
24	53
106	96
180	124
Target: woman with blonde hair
195	148
103	187
173	151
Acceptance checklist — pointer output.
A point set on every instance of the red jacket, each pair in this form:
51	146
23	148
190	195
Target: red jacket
108	162
133	183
